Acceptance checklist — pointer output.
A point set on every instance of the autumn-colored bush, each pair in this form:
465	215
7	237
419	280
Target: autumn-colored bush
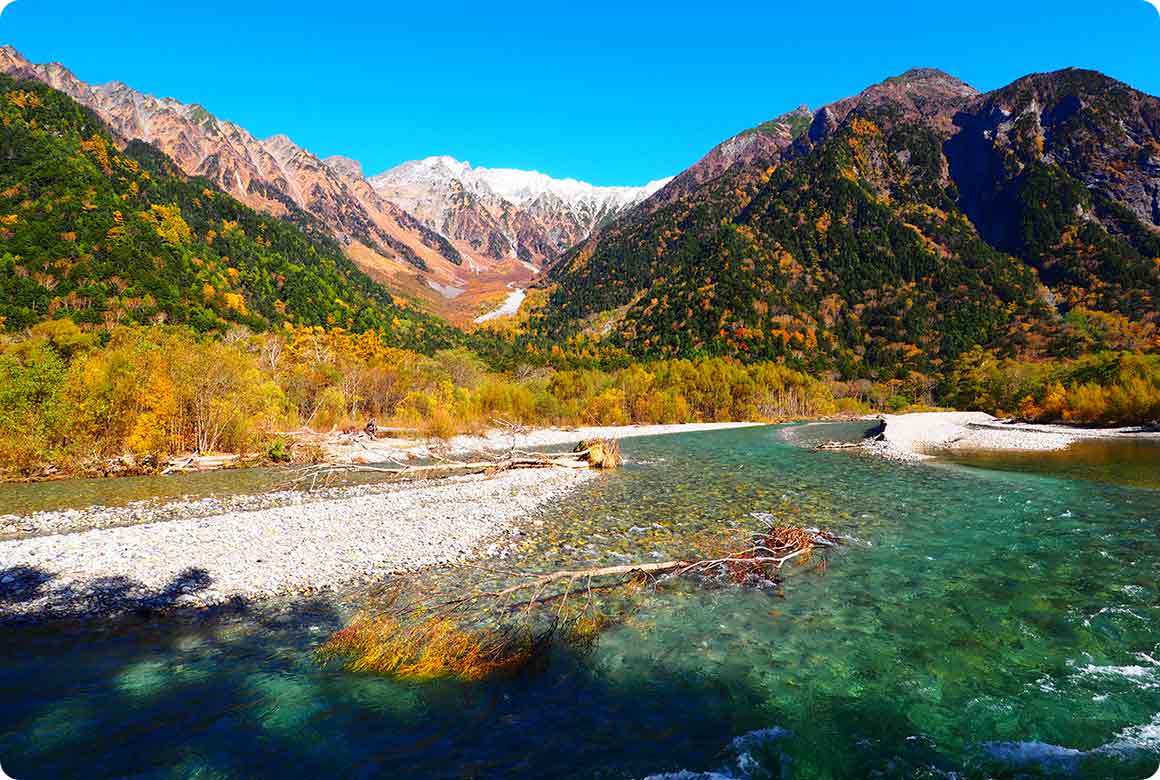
149	392
1121	388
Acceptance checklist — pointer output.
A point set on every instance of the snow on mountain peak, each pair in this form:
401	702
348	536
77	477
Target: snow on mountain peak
504	212
517	186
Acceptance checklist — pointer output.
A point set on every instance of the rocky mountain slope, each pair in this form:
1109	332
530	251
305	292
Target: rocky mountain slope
891	231
502	212
482	240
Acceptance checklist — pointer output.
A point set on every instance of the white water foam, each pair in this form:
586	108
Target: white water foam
1142	677
1029	754
744	763
1133	739
1145	737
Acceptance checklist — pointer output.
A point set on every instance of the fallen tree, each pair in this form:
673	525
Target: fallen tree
513	617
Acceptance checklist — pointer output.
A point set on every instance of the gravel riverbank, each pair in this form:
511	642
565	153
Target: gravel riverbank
346	537
922	435
359	448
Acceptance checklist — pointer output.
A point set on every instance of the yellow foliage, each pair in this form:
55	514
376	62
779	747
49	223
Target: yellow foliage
22	99
170	226
863	127
234	302
96	146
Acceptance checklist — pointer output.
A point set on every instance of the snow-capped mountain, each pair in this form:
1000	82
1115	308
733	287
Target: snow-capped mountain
505	211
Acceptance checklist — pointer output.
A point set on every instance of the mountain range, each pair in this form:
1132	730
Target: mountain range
438	231
881	235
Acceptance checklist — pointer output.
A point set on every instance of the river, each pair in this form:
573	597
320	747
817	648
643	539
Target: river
987	619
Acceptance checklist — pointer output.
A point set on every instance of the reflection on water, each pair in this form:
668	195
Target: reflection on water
121	491
1125	461
80	493
983	624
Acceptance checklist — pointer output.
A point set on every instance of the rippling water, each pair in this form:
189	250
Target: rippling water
986	622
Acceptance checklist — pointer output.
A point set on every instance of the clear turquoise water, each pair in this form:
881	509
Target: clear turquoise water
986	623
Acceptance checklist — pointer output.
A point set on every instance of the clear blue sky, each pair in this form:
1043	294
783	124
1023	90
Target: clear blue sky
612	92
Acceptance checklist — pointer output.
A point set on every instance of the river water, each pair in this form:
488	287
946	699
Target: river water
990	618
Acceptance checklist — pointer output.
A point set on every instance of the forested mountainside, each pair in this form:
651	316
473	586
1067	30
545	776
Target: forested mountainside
107	231
891	232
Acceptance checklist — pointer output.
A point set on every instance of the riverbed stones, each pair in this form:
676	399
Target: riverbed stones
351	536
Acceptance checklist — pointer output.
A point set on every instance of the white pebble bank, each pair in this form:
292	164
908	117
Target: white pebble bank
204	561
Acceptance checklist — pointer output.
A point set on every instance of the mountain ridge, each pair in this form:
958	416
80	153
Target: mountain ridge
108	231
858	238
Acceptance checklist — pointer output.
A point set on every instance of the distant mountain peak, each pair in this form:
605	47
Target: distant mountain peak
518	186
923	74
344	166
505	212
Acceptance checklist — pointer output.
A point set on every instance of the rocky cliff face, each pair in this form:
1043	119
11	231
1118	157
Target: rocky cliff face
1100	132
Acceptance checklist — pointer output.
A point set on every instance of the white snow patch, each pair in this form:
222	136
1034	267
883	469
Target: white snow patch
514	185
447	291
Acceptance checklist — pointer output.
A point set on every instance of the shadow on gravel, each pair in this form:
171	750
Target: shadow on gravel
21	584
27	594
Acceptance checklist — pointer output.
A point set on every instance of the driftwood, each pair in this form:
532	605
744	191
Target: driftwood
595	453
876	433
197	463
492	629
839	445
600	453
322	473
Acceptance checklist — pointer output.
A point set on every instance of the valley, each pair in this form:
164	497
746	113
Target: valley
423	229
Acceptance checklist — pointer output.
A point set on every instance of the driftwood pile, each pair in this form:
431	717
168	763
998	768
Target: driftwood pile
593	453
412	634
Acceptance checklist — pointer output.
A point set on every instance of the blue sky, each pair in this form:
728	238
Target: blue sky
612	92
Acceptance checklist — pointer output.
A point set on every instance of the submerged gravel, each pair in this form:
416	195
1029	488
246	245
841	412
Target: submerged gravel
283	543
